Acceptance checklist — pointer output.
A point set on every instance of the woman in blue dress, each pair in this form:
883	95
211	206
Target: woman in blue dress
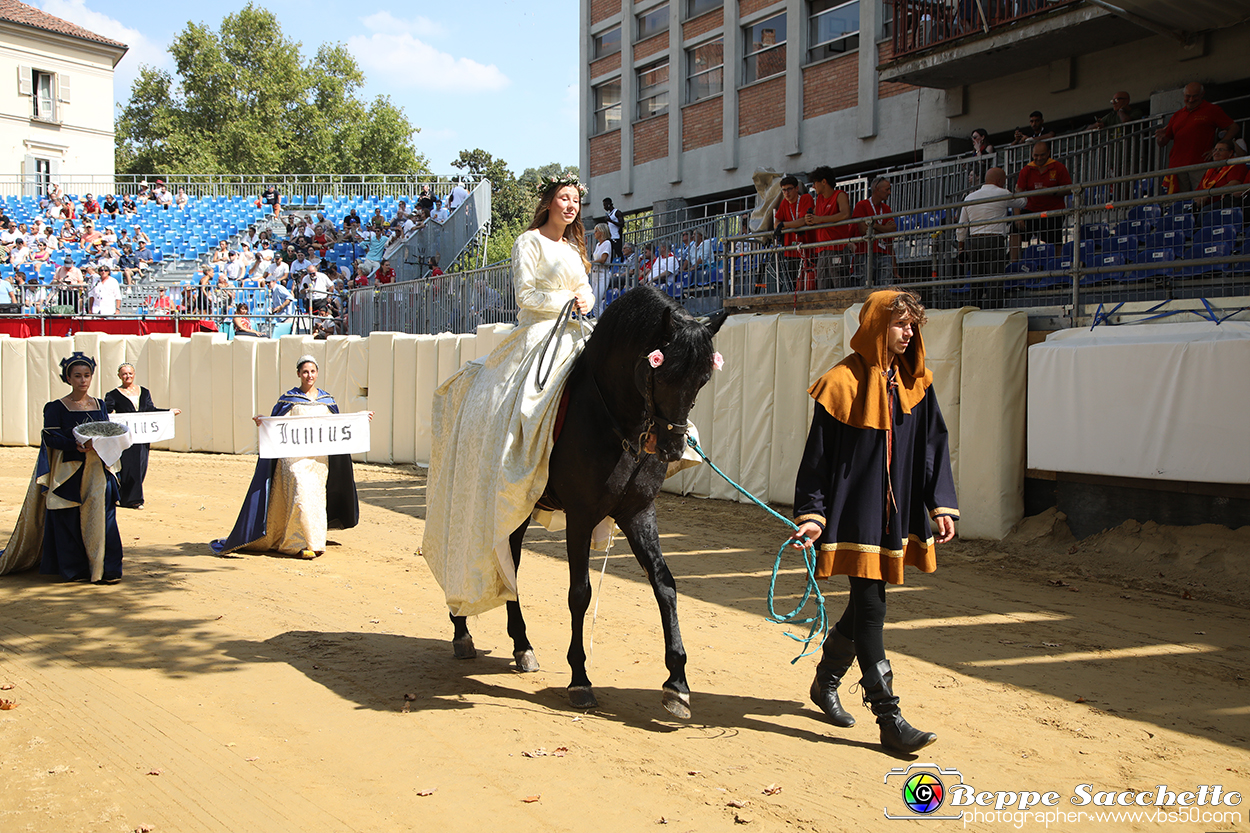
68	522
292	502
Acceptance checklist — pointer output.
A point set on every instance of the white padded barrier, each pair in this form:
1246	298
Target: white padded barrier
426	384
759	382
13	414
448	355
403	396
180	387
726	451
383	395
243	353
992	419
791	404
221	355
267	383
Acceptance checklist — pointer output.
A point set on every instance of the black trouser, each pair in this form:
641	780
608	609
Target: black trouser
987	255
618	252
863	621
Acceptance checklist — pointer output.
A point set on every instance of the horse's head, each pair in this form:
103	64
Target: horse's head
670	375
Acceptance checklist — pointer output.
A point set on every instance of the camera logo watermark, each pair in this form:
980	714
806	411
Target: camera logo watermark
923	790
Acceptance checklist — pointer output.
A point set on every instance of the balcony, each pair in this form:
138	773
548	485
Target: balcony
949	43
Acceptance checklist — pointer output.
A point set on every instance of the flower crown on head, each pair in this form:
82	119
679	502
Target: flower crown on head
557	182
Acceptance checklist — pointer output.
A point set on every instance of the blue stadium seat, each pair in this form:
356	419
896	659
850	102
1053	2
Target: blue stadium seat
1148	213
1114	259
1223	217
1037	253
1200	251
1177	222
1158	257
1125	245
1216	234
1173	239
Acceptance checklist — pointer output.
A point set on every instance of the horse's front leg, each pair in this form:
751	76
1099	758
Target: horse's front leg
643	534
522	650
581	695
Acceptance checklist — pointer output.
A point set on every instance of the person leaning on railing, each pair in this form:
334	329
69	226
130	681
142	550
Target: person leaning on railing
1220	175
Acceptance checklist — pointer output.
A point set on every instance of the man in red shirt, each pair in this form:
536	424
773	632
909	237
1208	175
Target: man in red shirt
1193	130
883	261
1043	172
831	206
791	213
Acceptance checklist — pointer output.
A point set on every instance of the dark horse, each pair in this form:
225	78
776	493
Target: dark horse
626	421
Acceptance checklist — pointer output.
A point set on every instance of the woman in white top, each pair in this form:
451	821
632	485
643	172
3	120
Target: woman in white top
493	423
599	264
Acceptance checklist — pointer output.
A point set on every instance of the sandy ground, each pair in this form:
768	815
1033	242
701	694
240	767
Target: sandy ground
272	694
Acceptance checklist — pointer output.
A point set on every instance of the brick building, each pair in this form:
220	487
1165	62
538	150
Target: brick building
684	99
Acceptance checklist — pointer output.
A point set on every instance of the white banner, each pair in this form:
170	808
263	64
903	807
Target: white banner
314	436
148	426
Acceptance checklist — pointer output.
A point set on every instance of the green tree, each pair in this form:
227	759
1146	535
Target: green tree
512	198
243	100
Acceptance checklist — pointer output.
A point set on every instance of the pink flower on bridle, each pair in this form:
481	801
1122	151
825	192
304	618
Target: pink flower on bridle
718	361
656	358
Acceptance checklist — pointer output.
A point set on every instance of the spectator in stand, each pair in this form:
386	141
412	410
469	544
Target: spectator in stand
106	295
599	266
139	237
1043	172
242	324
221	254
457	196
870	209
235	268
789	216
89	205
289	254
984	242
352	219
221	296
616	225
40	253
162	304
300	266
197	299
316	286
8	291
1220	175
664	267
434	270
281	302
1193	131
128	205
110	206
163	196
1037	130
271	198
630	259
277	270
1122	111
257	269
65	209
89	235
385	273
426	200
684	252
377	222
128	264
144	255
20	253
830	206
181	200
441	214
981	142
377	248
704	249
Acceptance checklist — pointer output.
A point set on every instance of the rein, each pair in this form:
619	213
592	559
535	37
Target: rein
819	622
562	321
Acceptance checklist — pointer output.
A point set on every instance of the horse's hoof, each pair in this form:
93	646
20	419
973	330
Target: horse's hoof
582	697
526	662
462	647
677	704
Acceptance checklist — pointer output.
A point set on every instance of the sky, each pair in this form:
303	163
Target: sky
492	74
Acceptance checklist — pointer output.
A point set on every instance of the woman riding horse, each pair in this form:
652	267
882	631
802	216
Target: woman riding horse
496	452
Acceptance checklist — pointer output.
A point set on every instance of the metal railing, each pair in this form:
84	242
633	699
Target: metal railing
302	189
1144	250
921	24
452	303
443	242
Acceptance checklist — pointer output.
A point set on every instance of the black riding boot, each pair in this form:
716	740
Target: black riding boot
896	733
835	661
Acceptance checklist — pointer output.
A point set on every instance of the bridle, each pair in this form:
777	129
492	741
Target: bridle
652	420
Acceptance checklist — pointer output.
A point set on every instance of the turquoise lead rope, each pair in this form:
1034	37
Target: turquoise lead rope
819	624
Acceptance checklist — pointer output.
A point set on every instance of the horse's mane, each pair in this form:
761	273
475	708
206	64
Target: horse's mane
633	324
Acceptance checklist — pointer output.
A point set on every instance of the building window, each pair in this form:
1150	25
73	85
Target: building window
43	175
834	28
765	44
653	89
705	70
694	8
43	103
607	43
608	106
887	20
652	22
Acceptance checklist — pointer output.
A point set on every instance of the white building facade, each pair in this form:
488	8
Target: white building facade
56	109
